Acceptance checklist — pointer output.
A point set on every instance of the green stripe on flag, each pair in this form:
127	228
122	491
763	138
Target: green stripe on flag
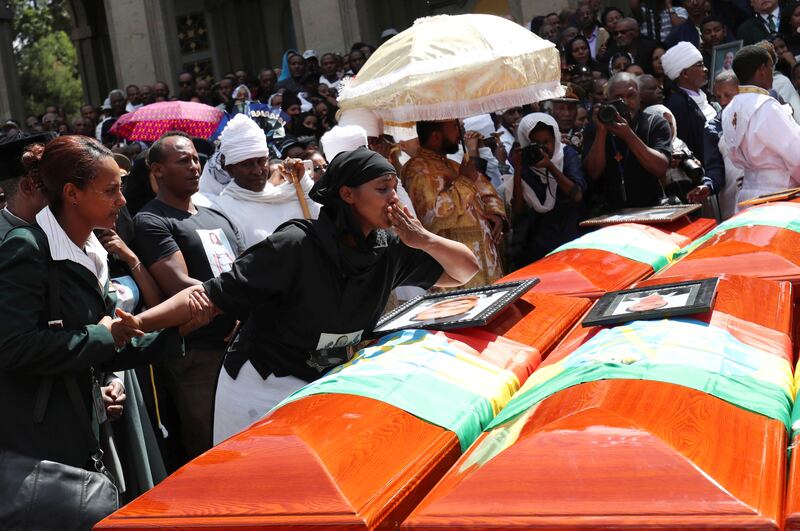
426	376
681	352
628	241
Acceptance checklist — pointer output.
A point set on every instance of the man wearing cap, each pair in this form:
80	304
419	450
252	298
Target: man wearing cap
312	62
256	201
683	64
759	134
564	110
183	244
456	201
24	198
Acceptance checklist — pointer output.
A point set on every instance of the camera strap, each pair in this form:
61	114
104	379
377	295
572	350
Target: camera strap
620	159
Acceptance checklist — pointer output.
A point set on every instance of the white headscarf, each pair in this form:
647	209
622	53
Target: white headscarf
526	125
529	123
661	110
369	120
482	124
242	139
342	138
679	58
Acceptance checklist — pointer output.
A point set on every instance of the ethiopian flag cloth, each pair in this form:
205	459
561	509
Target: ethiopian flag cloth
426	375
635	242
781	215
683	352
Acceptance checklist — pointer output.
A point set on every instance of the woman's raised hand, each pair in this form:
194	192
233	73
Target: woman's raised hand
407	227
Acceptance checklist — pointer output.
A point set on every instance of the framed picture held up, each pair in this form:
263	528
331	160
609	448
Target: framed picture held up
722	59
453	309
653	302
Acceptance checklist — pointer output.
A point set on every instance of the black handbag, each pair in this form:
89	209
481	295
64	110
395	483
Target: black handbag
38	495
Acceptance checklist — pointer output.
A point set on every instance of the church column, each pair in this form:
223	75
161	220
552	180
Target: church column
138	41
10	96
326	25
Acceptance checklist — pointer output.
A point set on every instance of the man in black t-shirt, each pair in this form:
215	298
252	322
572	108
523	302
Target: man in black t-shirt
631	154
182	244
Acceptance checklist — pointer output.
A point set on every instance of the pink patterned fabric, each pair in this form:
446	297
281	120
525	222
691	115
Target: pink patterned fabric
151	121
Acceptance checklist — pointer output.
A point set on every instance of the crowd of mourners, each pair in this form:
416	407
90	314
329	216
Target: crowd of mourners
196	229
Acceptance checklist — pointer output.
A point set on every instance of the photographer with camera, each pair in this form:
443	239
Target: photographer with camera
628	149
547	191
685	170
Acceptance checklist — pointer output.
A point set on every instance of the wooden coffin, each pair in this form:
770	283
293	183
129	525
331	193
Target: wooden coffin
762	251
627	454
592	272
336	461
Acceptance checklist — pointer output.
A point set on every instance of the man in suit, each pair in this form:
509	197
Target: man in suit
683	64
24	198
764	24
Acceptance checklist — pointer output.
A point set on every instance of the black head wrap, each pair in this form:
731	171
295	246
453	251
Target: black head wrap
349	168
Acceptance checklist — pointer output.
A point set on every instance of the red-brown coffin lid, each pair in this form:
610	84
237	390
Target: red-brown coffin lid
340	461
629	453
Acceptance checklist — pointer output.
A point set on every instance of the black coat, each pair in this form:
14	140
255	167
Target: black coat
30	352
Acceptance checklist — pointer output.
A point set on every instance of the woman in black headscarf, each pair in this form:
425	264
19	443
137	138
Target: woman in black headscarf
309	292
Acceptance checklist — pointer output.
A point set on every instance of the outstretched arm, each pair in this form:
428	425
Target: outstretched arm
188	309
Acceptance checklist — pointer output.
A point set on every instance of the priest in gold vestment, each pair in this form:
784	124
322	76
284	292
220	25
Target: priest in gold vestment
456	201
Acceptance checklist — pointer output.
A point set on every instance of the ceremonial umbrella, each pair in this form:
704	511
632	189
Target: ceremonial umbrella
447	67
151	121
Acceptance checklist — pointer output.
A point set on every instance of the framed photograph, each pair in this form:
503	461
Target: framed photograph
653	302
655	214
454	309
722	59
783	195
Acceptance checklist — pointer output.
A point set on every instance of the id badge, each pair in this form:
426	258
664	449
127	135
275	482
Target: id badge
97	402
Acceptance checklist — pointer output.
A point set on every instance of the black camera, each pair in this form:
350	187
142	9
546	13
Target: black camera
689	165
532	154
608	111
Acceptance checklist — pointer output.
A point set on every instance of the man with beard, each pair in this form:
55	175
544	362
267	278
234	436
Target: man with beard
456	201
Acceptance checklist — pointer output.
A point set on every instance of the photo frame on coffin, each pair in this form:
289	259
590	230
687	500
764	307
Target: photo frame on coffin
654	214
653	302
453	309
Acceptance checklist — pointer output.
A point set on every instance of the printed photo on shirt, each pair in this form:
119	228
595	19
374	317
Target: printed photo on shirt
218	250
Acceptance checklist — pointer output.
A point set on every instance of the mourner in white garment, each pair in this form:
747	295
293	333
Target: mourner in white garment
257	202
759	133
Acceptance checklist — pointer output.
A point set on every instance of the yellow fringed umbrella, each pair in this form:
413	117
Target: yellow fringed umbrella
447	67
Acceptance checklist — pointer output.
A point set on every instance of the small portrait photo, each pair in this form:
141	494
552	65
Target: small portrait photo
653	302
454	309
722	59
